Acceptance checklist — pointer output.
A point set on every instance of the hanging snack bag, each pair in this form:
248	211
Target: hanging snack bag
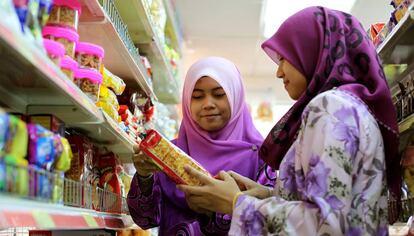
65	13
170	158
112	81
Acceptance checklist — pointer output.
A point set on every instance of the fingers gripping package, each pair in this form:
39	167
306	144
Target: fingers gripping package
170	158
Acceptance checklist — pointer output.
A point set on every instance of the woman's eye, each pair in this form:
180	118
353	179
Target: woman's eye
196	96
220	95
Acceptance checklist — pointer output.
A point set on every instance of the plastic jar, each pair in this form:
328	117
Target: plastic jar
65	13
89	81
89	55
69	67
68	38
54	50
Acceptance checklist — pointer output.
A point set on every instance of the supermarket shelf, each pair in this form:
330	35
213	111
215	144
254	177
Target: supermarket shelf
398	47
29	78
31	84
135	14
96	27
16	212
110	136
406	124
172	28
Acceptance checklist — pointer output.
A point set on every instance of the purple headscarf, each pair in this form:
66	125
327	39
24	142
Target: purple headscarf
332	49
234	147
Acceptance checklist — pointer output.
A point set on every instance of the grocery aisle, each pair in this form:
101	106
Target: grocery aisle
82	80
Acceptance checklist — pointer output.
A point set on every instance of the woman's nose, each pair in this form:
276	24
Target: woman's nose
208	103
279	72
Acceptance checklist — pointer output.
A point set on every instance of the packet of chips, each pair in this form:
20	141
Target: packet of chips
170	158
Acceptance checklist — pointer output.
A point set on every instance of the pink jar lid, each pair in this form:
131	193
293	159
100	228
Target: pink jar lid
90	48
60	33
93	75
54	48
68	63
74	4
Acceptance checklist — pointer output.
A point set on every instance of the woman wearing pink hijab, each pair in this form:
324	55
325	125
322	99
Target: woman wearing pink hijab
336	148
217	131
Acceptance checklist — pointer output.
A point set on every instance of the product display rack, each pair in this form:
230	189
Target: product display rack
141	29
96	26
32	84
39	87
398	49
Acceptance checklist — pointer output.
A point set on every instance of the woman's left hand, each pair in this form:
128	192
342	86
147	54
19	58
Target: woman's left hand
216	195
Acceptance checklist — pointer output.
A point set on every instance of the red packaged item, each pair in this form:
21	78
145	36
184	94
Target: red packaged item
170	158
109	167
81	169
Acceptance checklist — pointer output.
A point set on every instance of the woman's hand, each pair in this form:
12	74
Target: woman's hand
250	187
216	195
144	164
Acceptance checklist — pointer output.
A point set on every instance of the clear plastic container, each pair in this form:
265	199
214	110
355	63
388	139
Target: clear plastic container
69	67
68	38
54	50
89	55
89	81
65	13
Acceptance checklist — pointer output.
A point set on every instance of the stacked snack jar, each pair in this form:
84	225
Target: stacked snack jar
89	55
68	38
54	50
68	66
89	81
65	13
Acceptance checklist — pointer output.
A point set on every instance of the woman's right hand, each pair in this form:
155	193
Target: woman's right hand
250	187
144	164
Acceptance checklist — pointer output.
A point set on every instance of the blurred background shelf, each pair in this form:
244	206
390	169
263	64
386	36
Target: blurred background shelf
136	15
397	50
39	87
121	56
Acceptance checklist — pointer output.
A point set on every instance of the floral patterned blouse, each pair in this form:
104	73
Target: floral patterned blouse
332	180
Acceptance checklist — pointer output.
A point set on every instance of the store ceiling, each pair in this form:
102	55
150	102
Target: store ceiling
231	29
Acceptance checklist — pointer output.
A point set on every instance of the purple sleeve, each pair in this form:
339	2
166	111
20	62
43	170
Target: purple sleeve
145	209
266	175
216	224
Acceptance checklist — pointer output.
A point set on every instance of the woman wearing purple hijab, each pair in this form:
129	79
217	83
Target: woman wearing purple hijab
336	148
217	131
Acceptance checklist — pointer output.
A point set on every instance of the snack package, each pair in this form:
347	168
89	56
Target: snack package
61	164
43	146
170	158
49	122
45	6
109	168
81	170
112	81
106	95
109	110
